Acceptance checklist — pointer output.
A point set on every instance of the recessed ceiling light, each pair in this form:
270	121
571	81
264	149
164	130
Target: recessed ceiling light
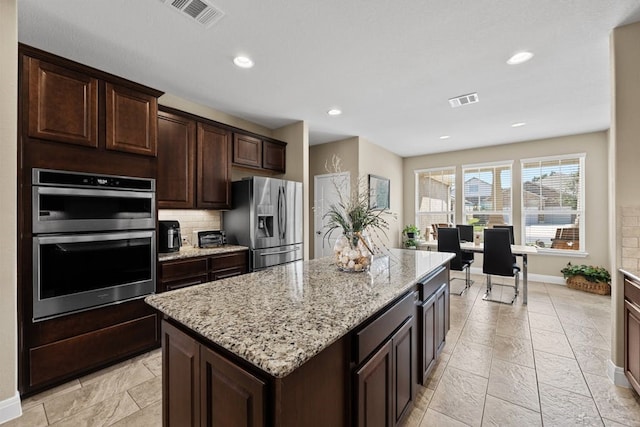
445	137
243	62
334	112
517	125
519	58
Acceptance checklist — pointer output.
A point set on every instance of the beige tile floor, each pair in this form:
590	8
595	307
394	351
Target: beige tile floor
540	364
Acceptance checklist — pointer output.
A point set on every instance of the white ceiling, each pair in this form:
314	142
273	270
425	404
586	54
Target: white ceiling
391	66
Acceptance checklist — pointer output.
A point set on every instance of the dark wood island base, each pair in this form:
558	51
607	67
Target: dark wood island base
368	377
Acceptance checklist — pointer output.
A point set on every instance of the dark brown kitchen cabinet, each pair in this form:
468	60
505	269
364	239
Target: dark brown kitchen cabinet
385	383
632	332
214	168
180	378
194	164
433	320
63	104
259	153
75	104
247	151
273	156
176	161
131	121
229	395
202	388
181	273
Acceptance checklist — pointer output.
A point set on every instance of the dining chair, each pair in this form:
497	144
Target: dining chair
508	227
449	241
466	232
498	260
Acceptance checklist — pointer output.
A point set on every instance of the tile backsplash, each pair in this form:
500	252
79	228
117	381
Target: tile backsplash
631	237
191	220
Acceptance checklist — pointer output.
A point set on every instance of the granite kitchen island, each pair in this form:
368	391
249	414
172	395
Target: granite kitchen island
304	344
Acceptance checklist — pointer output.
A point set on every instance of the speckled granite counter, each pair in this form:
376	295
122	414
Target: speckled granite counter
191	252
279	318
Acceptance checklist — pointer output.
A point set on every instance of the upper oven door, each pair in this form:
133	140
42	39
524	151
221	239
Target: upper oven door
60	209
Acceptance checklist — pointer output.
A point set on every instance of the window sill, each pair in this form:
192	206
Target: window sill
562	253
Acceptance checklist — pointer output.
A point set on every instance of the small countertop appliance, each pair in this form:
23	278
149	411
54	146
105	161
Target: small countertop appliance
209	238
169	238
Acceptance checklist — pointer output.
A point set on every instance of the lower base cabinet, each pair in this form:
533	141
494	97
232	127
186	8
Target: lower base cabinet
632	333
201	388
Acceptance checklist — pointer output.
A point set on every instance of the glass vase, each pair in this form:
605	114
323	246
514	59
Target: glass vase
353	252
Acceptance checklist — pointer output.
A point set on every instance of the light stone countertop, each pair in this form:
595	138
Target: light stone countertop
634	274
279	318
191	252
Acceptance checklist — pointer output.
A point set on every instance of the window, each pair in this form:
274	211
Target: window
553	202
435	198
487	194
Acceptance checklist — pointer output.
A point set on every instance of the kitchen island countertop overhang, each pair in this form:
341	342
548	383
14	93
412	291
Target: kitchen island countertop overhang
278	319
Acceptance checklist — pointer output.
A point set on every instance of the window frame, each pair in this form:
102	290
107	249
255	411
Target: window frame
449	213
579	212
486	165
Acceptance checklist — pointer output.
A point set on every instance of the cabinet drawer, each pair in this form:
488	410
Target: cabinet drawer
376	332
430	284
236	259
227	272
632	291
74	355
183	283
172	270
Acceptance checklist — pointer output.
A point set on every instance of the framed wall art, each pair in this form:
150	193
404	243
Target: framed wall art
379	192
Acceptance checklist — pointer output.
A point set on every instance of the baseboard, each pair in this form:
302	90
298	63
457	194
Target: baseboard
616	375
556	280
10	408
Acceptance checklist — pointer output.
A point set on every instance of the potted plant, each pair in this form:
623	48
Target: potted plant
353	216
412	233
587	278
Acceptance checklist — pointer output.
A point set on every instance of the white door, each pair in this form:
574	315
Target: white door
326	189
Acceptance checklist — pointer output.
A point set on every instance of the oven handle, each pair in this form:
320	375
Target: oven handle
93	237
94	193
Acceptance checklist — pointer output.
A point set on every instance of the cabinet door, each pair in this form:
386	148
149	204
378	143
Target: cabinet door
176	161
403	343
273	156
131	121
442	317
230	395
428	333
63	104
180	378
247	151
632	344
374	388
214	178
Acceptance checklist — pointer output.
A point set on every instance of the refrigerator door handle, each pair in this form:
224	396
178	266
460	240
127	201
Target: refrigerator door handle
281	212
284	213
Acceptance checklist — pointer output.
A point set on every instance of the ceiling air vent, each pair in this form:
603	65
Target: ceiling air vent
459	101
201	11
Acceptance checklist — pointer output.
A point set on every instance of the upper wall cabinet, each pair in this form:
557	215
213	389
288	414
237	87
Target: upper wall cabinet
258	153
71	103
131	119
194	161
63	104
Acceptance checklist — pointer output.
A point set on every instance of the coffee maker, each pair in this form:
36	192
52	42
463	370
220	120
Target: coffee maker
169	239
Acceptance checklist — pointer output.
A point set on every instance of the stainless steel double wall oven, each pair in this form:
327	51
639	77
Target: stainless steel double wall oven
93	240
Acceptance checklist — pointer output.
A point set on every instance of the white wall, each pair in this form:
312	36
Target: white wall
9	400
595	145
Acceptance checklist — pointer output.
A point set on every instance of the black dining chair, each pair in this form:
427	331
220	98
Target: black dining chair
449	241
466	235
498	260
507	227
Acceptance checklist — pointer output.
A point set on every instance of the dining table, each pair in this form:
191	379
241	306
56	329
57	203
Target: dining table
518	250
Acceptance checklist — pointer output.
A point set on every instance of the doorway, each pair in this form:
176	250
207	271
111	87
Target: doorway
326	188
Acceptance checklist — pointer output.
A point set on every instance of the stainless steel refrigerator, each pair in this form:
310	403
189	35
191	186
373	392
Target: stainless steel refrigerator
266	216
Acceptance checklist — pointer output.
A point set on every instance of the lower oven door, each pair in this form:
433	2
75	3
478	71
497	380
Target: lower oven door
78	272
